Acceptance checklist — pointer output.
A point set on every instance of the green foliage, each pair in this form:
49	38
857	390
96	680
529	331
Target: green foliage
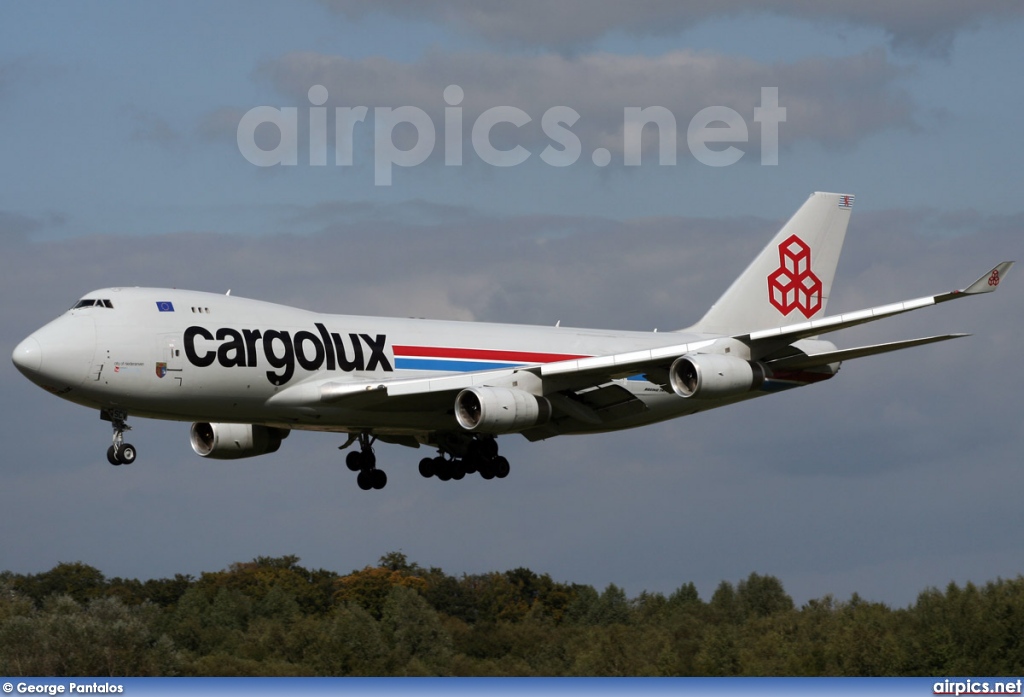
76	580
762	596
271	616
412	629
370	587
103	638
351	644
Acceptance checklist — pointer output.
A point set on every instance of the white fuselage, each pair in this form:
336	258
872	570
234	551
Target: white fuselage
195	356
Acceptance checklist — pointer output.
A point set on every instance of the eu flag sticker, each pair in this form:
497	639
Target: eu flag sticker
164	306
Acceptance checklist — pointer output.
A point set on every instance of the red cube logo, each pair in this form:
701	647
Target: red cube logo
793	286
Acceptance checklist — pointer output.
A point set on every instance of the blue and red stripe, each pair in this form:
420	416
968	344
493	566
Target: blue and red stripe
464	359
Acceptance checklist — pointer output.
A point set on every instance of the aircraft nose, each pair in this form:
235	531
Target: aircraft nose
58	355
28	356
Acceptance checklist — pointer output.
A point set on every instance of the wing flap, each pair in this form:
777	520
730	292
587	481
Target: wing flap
368	392
611	401
817	360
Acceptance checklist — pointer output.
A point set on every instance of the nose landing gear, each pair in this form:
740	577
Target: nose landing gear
119	452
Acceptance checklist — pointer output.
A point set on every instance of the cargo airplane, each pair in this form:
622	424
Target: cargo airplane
247	372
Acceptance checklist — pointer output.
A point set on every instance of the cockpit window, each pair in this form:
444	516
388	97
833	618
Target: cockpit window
93	302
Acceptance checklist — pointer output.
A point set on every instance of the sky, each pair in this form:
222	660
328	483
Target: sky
128	133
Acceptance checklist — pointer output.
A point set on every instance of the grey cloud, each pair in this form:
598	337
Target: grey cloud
19	74
17	224
918	25
418	212
20	225
220	124
834	101
150	127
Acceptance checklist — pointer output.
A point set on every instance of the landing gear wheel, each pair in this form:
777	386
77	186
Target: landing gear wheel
365	480
489	448
443	469
119	452
378	479
471	464
501	467
364	462
427	467
354	460
487	470
127	454
367	459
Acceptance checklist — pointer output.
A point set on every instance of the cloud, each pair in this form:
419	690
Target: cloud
151	127
220	123
19	225
832	101
26	73
918	25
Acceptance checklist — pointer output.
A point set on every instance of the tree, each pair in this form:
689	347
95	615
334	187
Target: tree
414	632
370	587
311	590
349	643
724	606
612	607
75	579
761	596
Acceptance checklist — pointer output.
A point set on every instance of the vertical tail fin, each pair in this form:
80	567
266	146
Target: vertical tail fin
791	279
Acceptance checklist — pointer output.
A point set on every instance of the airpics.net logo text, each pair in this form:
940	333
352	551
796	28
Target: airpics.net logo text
714	135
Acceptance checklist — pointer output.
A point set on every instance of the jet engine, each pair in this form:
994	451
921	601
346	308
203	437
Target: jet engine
500	410
710	376
233	441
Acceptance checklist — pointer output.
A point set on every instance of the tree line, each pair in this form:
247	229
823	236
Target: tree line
272	616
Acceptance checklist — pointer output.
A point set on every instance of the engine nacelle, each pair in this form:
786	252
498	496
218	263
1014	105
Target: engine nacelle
500	410
233	441
712	375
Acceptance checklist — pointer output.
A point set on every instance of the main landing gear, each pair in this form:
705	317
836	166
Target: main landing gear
456	457
364	462
481	456
119	452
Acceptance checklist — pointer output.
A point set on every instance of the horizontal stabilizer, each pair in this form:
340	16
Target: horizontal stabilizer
817	360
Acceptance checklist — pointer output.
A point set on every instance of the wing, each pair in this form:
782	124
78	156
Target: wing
583	389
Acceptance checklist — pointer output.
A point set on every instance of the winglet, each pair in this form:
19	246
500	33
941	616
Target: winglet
986	284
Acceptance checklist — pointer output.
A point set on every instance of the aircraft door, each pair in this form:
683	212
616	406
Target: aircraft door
169	367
